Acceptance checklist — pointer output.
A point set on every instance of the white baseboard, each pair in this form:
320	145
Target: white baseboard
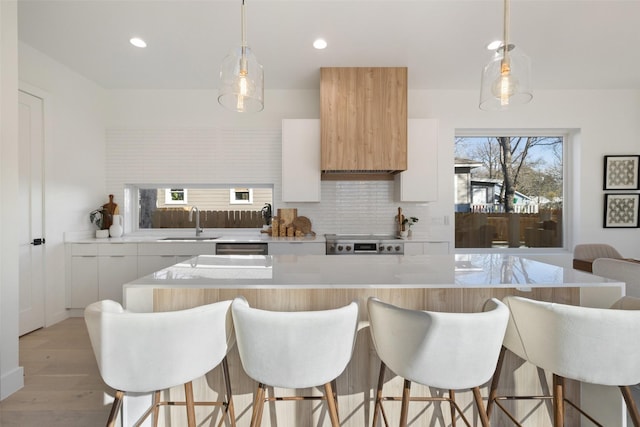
11	382
57	317
75	312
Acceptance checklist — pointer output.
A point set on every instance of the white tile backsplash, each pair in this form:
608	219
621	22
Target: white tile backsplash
249	156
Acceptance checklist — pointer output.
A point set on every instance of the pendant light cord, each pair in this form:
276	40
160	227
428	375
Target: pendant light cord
243	45
505	52
243	26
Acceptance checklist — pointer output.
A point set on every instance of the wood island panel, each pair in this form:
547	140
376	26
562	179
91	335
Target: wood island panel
356	386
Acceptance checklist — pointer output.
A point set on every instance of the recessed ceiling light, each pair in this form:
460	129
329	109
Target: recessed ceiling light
320	44
137	42
494	45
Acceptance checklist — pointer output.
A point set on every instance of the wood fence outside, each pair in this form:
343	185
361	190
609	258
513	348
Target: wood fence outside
484	230
179	218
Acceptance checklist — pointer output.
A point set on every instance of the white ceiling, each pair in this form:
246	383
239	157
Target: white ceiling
580	44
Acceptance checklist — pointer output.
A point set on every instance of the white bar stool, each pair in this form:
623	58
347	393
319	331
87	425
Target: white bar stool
294	350
450	351
150	352
593	345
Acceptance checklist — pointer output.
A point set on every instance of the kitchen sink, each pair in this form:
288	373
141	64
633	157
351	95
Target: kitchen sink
189	239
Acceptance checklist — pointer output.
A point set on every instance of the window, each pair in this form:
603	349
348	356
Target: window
241	196
163	207
175	196
508	191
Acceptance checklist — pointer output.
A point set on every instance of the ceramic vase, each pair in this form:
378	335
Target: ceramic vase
116	226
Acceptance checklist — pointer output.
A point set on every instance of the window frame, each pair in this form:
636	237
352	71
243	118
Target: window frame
570	147
168	199
233	200
131	209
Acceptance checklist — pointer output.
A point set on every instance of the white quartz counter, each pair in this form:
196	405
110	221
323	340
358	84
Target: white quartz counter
369	271
226	237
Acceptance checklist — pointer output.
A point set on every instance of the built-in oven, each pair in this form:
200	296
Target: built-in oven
363	244
242	248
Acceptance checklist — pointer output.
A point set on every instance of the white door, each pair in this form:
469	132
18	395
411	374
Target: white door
30	205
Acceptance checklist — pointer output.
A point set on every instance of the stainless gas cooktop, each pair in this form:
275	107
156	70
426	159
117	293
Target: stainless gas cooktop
363	244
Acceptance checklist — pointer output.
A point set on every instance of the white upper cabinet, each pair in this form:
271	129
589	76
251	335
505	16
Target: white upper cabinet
419	183
301	160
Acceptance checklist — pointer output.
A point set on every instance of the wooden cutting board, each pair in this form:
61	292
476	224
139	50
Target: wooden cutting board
287	215
303	224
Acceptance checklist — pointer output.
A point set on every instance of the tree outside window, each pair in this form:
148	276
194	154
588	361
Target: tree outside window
509	191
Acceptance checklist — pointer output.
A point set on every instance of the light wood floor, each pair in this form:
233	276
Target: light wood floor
63	387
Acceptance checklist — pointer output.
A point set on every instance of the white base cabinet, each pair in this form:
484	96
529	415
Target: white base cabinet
426	248
97	271
296	248
158	255
113	272
83	277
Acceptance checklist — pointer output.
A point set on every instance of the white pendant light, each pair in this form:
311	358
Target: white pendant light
241	77
506	79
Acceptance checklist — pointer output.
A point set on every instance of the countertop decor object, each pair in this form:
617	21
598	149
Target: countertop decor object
303	224
116	228
109	209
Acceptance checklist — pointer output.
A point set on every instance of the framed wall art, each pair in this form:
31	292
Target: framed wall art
621	172
621	210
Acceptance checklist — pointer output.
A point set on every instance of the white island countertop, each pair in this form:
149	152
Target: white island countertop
458	283
496	270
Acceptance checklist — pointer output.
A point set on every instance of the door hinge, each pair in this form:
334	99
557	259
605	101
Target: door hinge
38	241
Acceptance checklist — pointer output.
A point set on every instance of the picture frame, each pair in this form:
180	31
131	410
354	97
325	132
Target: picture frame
621	210
621	172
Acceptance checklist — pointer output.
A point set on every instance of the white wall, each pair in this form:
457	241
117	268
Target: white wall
11	375
606	122
75	109
147	126
601	122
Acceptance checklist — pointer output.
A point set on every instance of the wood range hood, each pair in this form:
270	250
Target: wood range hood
363	122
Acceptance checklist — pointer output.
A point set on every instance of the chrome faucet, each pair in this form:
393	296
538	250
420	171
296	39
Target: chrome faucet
198	229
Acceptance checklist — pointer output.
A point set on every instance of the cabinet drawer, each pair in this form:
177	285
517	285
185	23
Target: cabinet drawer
177	248
117	249
84	249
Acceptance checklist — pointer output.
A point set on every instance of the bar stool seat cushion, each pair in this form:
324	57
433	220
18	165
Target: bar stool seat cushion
592	345
294	349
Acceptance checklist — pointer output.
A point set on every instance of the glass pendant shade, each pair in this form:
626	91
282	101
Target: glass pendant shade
241	81
506	81
241	77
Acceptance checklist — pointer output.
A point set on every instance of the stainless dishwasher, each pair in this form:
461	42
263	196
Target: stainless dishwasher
242	249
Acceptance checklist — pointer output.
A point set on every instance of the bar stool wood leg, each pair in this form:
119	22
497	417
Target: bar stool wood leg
558	401
406	391
493	390
156	407
631	405
191	409
334	386
258	404
227	382
452	396
378	403
115	408
333	411
484	418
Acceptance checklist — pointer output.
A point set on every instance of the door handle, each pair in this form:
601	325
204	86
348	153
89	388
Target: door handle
38	241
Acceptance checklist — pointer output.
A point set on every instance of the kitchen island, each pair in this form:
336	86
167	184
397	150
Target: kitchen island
459	283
